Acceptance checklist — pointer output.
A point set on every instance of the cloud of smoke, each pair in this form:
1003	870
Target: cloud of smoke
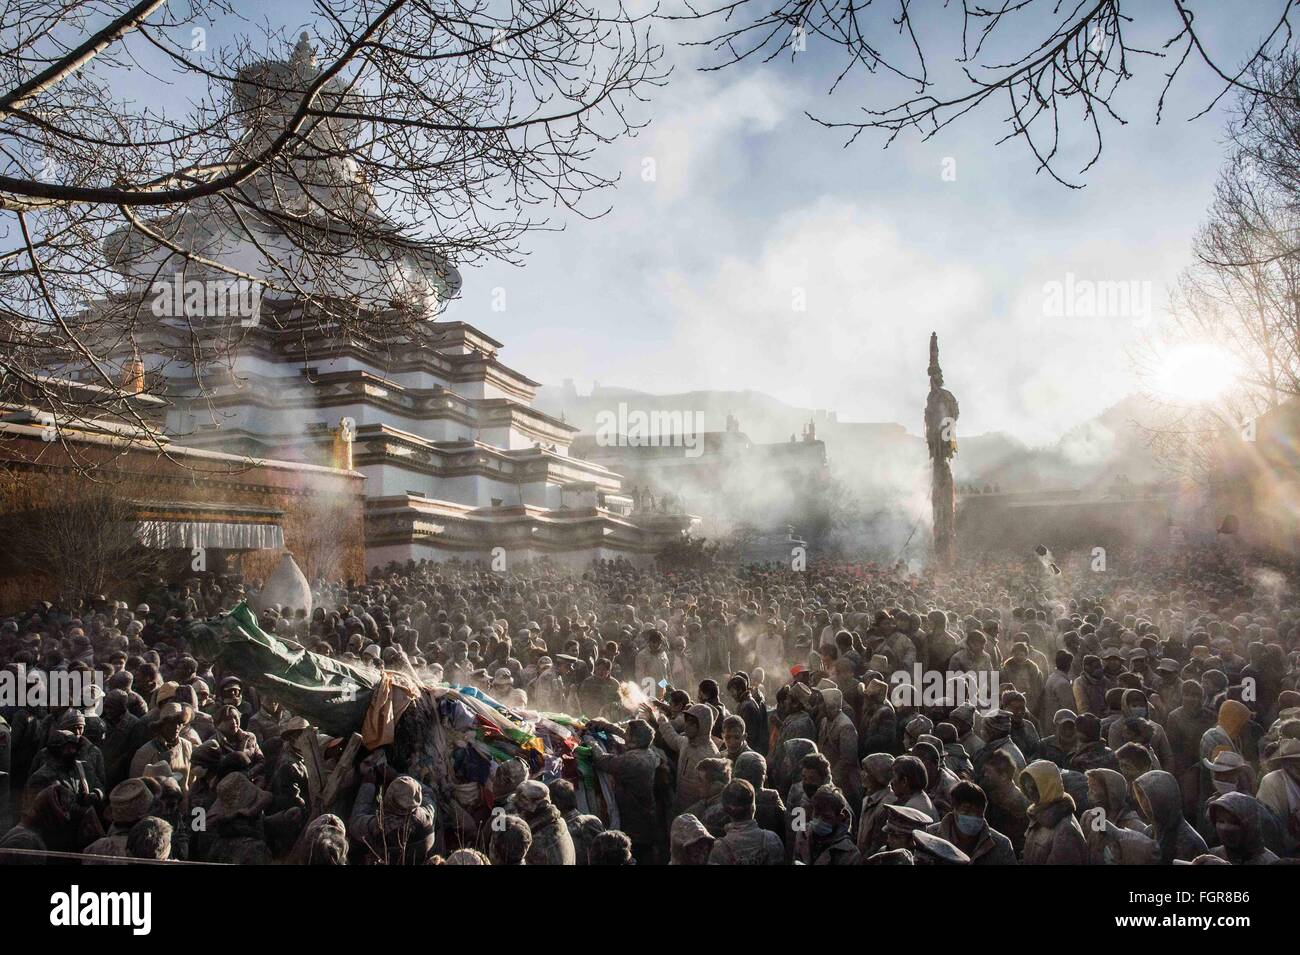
631	696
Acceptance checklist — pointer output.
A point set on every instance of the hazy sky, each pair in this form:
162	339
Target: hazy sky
689	282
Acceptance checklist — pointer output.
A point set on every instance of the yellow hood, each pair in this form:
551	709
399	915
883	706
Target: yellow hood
1233	715
1047	779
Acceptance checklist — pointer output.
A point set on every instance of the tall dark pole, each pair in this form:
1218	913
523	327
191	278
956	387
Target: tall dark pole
941	437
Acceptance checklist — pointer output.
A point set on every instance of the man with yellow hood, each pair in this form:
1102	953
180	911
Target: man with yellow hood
1053	836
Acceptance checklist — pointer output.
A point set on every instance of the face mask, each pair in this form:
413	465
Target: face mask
969	825
1223	786
821	828
1139	712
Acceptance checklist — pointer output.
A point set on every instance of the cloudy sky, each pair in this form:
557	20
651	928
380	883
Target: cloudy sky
692	279
687	283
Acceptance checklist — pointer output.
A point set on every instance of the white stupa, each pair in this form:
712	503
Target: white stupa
457	461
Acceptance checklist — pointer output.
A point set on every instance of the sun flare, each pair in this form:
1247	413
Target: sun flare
1194	373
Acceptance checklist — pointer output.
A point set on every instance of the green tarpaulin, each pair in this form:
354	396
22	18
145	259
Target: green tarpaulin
329	693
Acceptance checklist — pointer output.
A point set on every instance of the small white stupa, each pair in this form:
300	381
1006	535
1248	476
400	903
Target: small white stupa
287	588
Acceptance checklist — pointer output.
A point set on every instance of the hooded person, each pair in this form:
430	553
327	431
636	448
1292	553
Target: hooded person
1111	844
877	772
769	809
49	823
1133	725
1054	836
1109	789
395	825
744	841
1161	804
1228	732
1133	760
641	790
1237	819
794	723
838	742
1232	774
878	728
690	843
324	841
551	844
692	745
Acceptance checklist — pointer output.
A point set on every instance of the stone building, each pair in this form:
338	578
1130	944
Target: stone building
457	462
234	514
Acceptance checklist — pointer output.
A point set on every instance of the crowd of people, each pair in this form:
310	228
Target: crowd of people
1147	714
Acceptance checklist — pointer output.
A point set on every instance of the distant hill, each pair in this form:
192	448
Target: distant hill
763	418
1091	454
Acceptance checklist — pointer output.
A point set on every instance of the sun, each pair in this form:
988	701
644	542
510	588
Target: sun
1194	373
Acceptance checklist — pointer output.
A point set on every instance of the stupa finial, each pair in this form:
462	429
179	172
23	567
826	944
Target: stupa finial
303	57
